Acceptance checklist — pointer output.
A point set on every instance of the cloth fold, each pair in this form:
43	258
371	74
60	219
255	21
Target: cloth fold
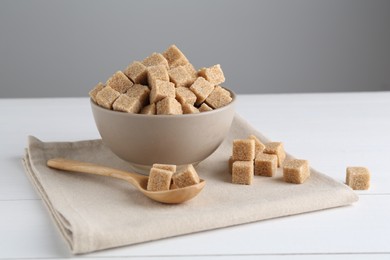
95	213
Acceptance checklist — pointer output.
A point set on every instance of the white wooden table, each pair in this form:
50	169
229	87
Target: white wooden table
332	131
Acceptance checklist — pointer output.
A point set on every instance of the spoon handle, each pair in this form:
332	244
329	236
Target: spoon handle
84	167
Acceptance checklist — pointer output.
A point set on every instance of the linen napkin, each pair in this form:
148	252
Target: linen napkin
95	212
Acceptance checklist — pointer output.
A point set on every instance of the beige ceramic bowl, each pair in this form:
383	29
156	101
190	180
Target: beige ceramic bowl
172	139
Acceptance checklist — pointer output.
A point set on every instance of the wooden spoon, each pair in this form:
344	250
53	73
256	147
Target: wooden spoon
139	181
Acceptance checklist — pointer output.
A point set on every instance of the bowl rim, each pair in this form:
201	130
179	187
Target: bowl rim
232	94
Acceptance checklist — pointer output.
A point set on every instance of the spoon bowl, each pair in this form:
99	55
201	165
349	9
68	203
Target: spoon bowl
174	196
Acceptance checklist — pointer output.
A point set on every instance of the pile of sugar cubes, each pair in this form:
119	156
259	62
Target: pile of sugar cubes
164	177
163	84
252	157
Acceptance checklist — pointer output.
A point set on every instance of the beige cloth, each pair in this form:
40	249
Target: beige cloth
94	212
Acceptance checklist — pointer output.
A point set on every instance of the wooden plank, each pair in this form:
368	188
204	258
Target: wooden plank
359	229
332	131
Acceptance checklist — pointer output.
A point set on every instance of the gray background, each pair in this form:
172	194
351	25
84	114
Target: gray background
63	48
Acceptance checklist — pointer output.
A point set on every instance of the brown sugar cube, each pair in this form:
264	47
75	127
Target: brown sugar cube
186	177
266	164
242	172
161	90
159	179
155	59
202	89
191	70
296	171
137	72
276	148
243	150
204	108
358	178
219	97
180	76
168	106
259	146
139	92
174	56
119	82
124	103
157	73
184	95
189	109
106	97
95	90
213	74
149	109
168	167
